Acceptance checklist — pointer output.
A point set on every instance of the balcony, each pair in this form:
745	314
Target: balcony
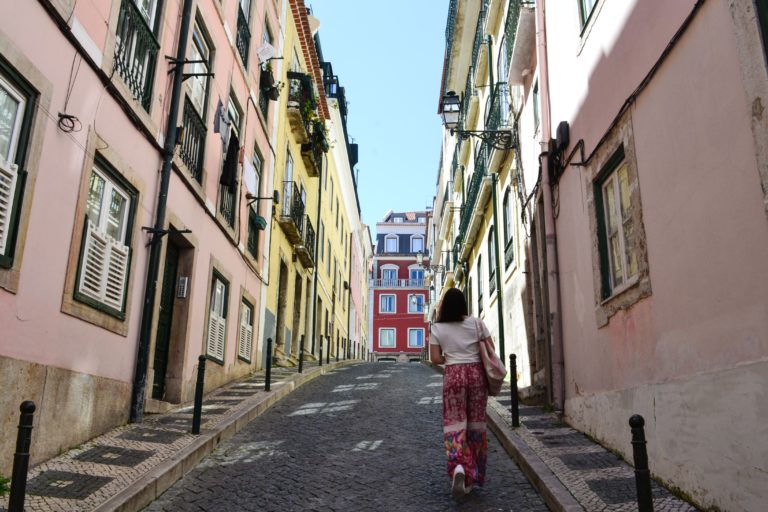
193	141
306	249
497	120
479	48
312	152
509	253
520	33
136	52
446	213
301	105
227	204
397	283
243	35
292	212
474	206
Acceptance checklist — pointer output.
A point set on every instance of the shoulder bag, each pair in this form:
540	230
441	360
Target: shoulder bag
494	368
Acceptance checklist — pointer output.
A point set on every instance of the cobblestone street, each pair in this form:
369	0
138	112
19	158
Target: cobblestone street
366	437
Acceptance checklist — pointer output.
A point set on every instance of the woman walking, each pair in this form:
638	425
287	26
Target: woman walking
454	341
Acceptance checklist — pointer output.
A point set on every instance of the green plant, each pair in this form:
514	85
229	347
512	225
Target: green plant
5	485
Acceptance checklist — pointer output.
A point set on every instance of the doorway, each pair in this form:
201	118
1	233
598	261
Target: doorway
281	300
165	320
298	282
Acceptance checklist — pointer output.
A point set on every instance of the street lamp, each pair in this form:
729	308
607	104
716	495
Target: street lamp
451	108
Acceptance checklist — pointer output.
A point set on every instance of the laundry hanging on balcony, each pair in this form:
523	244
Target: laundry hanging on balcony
229	171
221	122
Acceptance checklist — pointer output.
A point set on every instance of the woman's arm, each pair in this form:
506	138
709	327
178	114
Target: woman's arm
435	354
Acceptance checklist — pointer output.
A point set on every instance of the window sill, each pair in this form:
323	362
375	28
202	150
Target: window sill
617	292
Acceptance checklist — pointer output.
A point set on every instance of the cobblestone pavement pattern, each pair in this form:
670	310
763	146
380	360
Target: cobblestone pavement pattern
367	437
598	479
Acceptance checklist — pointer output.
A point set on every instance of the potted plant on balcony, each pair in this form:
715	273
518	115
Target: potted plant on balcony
320	135
266	80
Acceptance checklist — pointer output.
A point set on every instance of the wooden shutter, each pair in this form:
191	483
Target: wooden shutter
104	268
8	177
217	328
245	339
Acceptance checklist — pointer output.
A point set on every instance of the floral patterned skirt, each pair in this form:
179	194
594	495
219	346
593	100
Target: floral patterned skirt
465	395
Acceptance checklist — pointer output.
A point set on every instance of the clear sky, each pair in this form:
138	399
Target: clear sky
388	57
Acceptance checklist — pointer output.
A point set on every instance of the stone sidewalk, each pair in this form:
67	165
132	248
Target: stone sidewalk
128	467
571	472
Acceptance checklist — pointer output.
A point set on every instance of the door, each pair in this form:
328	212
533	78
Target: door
164	320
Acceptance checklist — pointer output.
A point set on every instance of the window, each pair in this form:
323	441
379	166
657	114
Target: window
387	304
479	285
390	244
217	319
421	220
468	295
491	263
415	338
228	182
585	9
416	303
535	106
616	229
253	229
337	214
328	261
243	32
245	333
105	251
136	47
15	112
417	244
509	216
386	338
389	276
397	220
416	276
197	86
322	241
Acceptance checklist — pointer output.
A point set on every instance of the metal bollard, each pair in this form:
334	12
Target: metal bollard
21	457
513	390
320	360
337	348
197	410
328	352
640	456
268	379
301	355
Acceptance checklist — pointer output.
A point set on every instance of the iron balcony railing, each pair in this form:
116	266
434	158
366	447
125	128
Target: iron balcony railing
474	189
469	91
498	114
397	283
491	280
509	253
136	52
450	30
227	204
253	233
300	95
193	140
479	33
456	250
447	196
293	204
510	26
243	35
309	238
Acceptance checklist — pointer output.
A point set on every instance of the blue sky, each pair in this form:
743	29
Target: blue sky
388	56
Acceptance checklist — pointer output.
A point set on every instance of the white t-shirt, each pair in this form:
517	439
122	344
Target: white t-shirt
458	340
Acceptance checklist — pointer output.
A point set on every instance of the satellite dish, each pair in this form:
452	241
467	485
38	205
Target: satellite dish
265	52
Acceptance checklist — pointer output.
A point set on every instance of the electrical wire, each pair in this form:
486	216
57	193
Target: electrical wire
69	123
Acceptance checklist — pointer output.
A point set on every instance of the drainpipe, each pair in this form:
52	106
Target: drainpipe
142	357
317	252
557	363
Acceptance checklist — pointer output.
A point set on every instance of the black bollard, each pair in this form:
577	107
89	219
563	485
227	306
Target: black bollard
21	457
513	390
328	352
197	410
337	348
268	379
640	456
301	355
320	361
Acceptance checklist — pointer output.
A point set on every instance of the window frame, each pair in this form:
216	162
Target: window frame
479	284
200	34
396	238
413	239
491	262
381	303
217	276
394	337
245	305
422	303
423	337
112	177
585	14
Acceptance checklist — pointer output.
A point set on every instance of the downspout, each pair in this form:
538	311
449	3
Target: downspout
317	252
142	357
349	296
557	364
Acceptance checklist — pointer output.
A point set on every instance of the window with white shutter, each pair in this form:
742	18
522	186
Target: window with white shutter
105	252
14	106
217	320
245	333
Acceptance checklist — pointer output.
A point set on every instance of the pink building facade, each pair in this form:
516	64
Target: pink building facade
658	211
84	102
398	290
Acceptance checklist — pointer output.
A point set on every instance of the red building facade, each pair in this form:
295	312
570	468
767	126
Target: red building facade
399	295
